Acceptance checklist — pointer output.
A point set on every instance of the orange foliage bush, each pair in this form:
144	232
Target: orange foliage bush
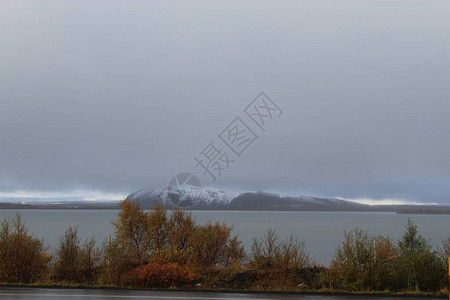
159	275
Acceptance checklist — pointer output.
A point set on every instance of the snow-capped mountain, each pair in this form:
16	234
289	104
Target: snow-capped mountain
185	197
210	198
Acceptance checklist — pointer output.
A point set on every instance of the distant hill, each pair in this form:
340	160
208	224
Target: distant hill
266	201
220	199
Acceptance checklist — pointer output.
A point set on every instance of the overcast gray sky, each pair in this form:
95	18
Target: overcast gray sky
113	96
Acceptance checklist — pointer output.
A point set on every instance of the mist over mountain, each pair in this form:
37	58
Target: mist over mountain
225	199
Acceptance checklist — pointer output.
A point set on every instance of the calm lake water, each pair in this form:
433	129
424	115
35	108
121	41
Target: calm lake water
321	231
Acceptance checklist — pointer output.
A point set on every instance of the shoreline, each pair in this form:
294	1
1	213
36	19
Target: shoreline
114	206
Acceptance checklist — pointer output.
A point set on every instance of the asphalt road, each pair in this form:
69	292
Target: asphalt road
78	294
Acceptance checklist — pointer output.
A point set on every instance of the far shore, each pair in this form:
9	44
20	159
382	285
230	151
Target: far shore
115	205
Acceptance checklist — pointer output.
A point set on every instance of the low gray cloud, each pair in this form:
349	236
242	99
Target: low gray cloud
116	96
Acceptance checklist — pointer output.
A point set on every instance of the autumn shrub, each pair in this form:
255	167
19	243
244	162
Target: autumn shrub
158	228
157	238
385	273
23	257
181	227
366	262
115	262
67	256
212	246
89	262
353	263
76	262
279	263
131	230
156	275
